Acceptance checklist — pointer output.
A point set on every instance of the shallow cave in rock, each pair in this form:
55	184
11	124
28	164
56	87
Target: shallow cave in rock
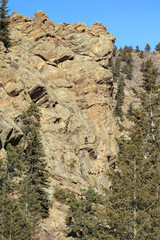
37	92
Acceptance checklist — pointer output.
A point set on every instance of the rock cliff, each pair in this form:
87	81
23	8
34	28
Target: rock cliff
63	69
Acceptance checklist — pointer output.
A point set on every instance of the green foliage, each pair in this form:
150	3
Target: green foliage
145	66
141	54
114	50
85	218
23	182
147	48
4	23
130	110
157	48
128	70
34	197
133	201
137	50
60	195
110	63
120	98
63	196
13	223
126	56
116	68
124	69
128	49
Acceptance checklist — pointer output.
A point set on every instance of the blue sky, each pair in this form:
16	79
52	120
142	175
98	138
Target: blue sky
133	22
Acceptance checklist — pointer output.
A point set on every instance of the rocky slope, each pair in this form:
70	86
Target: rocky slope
63	69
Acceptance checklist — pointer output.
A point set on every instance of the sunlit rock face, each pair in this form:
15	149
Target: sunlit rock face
63	69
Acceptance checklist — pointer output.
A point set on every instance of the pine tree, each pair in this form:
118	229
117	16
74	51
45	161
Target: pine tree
85	218
147	48
114	50
13	223
3	176
120	98
130	71
33	187
14	166
137	50
130	110
4	23
133	204
110	62
145	66
141	54
116	68
157	48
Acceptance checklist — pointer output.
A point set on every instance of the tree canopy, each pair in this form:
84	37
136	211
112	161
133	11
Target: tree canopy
4	23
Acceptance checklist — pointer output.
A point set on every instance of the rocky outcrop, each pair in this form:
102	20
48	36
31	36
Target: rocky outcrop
64	69
9	131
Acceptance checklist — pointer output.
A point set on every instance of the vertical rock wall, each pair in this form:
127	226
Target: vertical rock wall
62	68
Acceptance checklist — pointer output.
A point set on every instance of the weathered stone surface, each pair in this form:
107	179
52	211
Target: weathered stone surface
2	47
9	131
13	88
62	68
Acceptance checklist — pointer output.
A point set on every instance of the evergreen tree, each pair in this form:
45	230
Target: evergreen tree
110	63
145	66
128	49
147	48
3	176
130	71
141	54
4	23
133	204
13	224
124	69
14	165
116	68
33	187
157	48
126	54
137	49
120	98
114	50
130	110
85	218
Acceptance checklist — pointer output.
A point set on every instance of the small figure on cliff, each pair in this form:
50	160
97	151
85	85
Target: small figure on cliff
99	170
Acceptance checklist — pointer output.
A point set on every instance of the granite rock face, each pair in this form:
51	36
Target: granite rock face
62	68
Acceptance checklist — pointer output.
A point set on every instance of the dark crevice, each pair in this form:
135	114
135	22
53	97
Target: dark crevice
0	144
37	93
39	55
54	104
63	59
57	120
13	141
109	158
45	35
9	134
